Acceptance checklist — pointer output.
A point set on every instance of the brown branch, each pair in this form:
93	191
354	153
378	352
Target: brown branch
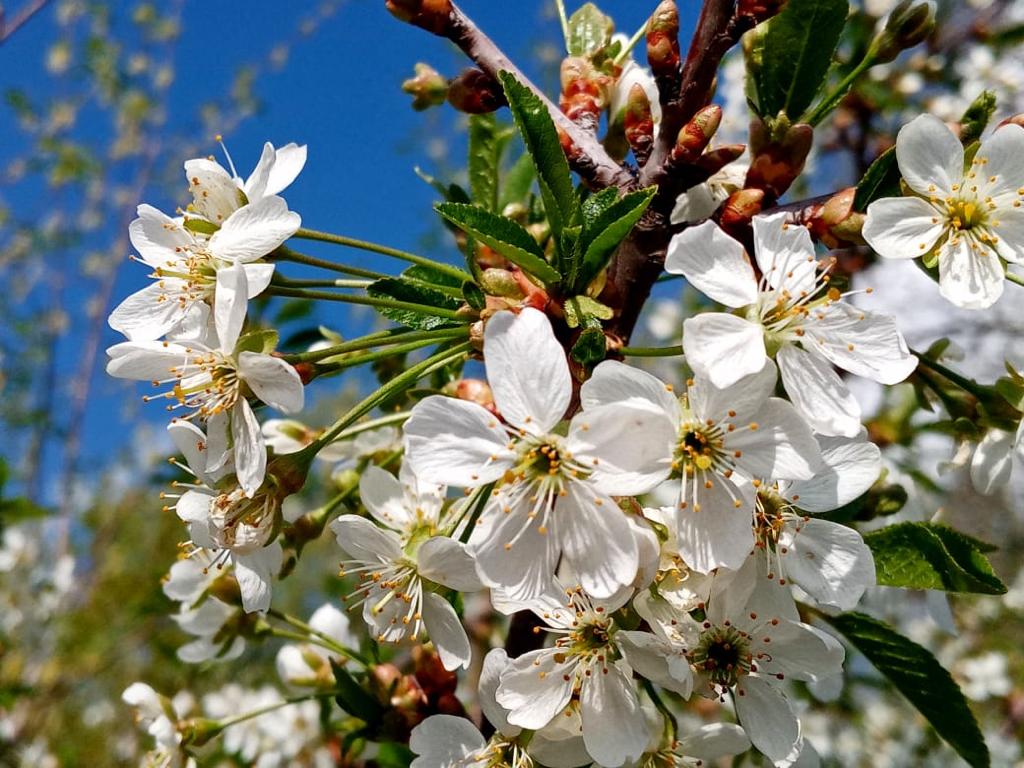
590	160
19	19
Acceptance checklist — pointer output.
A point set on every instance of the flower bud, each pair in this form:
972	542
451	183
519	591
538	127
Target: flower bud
475	92
909	23
836	223
721	156
585	91
663	40
758	10
427	87
740	208
431	15
638	124
473	390
697	134
778	155
198	731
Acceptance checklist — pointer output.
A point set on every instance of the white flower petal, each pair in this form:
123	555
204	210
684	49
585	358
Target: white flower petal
782	446
273	381
1008	229
249	451
362	540
803	652
527	370
969	278
533	689
829	561
455	442
745	397
818	392
597	541
330	621
258	275
289	161
255	186
443	741
446	561
511	551
902	227
215	193
649	656
865	343
714	741
495	663
254	230
384	497
144	360
146	315
713	263
785	254
992	462
614	730
254	572
612	382
230	305
768	719
849	468
629	445
446	632
157	237
723	348
720	535
928	153
1002	155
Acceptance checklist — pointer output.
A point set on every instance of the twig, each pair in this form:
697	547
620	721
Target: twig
19	19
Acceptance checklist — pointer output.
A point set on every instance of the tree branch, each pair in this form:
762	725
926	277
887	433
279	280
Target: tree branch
18	20
589	160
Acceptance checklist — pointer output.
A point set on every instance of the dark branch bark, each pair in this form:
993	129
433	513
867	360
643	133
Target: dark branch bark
591	161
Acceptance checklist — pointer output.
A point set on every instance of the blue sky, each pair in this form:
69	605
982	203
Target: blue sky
339	93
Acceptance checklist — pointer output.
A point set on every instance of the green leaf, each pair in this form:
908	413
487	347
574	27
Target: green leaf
263	342
487	140
353	699
917	675
541	139
796	51
931	556
517	182
579	309
879	501
473	295
424	274
589	31
591	346
502	235
976	117
293	309
882	179
416	293
452	193
391	754
19	510
603	233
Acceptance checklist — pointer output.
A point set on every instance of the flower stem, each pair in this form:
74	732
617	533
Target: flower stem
831	101
351	242
628	48
968	385
479	504
379	339
370	357
290	283
670	719
1014	278
284	253
564	20
652	351
393	387
370	301
316	636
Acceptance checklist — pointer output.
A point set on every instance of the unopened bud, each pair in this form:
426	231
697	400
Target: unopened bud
500	282
776	164
663	40
1017	119
758	10
345	480
427	87
712	162
909	23
836	223
697	134
431	15
225	588
198	731
638	124
742	206
584	91
472	390
475	92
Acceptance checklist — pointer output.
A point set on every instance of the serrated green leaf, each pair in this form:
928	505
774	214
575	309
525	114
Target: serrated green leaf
602	234
882	179
589	31
502	235
931	556
425	274
353	699
263	342
879	501
487	140
416	293
475	297
591	346
579	309
917	675
391	754
541	139
795	54
517	182
1011	391
450	192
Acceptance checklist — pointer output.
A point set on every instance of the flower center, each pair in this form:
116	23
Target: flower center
768	509
700	447
723	654
965	214
546	462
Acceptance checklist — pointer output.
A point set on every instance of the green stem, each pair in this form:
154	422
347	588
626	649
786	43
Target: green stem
369	301
1014	278
652	351
351	242
670	719
227	723
352	362
393	387
831	101
380	339
369	426
290	283
478	507
317	636
564	20
968	385
284	253
636	38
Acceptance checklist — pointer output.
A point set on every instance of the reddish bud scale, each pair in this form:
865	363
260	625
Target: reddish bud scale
758	10
663	40
835	223
777	163
739	209
306	371
431	15
695	136
475	92
584	92
1017	119
718	158
638	124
